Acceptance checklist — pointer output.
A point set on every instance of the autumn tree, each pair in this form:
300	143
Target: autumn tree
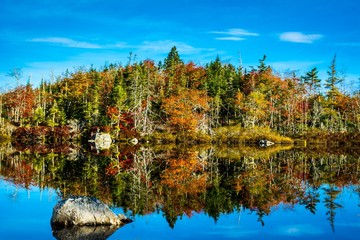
19	103
187	110
254	108
56	116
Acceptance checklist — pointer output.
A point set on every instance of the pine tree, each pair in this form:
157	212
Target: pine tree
172	64
262	67
172	59
312	80
332	80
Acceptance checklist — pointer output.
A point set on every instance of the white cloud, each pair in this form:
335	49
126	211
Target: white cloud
161	46
234	34
230	38
67	42
298	37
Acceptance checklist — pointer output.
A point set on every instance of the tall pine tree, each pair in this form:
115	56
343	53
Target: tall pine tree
333	80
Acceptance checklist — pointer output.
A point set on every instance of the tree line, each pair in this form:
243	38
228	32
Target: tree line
146	98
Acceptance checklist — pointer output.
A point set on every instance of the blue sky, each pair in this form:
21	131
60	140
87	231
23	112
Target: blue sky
45	36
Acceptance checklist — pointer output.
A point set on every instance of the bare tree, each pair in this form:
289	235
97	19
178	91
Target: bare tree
16	73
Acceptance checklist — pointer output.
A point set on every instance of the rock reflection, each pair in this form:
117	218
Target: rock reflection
84	232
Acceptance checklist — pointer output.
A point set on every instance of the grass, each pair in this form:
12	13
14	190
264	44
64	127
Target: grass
237	134
227	135
323	137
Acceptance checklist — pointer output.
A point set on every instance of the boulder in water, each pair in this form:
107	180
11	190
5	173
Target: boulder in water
84	211
101	140
265	143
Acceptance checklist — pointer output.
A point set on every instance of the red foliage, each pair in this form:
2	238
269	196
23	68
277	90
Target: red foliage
23	99
127	125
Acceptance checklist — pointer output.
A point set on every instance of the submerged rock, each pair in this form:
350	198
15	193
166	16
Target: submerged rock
84	232
84	211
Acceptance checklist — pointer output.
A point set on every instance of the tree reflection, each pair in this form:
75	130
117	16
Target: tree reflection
331	193
310	199
183	181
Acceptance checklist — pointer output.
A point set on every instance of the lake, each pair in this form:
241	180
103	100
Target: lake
198	192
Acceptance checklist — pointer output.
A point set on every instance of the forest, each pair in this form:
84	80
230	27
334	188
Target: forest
177	101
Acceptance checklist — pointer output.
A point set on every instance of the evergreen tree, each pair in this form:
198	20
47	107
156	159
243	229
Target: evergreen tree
312	81
332	80
262	67
172	59
172	63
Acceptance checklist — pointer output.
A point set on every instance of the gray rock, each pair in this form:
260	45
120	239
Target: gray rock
134	141
101	140
84	211
265	143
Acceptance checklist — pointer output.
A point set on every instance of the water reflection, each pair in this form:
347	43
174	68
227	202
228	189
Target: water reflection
178	182
84	232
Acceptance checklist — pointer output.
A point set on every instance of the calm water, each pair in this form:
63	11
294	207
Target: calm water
204	193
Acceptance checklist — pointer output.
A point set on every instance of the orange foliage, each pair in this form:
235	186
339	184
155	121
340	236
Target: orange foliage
21	173
113	112
23	99
185	175
186	109
195	75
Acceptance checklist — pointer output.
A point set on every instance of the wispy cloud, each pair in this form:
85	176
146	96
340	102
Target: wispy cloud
67	42
230	38
298	37
234	34
164	46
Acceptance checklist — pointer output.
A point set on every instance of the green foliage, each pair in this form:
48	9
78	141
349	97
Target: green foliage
172	59
333	80
312	81
56	116
39	116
